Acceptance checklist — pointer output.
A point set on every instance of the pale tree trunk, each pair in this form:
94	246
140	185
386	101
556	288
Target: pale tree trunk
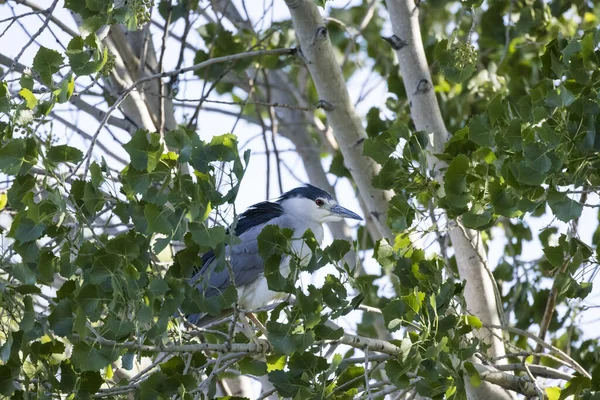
470	254
143	106
326	74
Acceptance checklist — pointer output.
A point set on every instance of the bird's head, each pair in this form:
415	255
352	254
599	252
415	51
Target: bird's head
314	204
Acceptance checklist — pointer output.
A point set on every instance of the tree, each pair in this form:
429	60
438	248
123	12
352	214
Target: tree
112	196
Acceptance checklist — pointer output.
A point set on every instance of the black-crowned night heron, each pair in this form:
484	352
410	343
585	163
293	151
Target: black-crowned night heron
305	207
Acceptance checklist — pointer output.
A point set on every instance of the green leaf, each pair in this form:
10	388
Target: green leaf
513	135
158	219
224	147
96	174
86	56
275	362
92	198
206	236
29	97
145	150
504	272
382	146
24	274
7	386
473	321
455	183
92	23
64	153
27	230
337	166
553	392
555	255
5	102
477	220
5	349
248	366
90	300
480	131
334	293
26	81
384	254
281	381
503	198
68	378
273	240
67	86
61	319
400	213
28	319
97	5
393	314
324	332
17	157
285	342
414	300
117	328
574	388
181	140
396	372
124	245
46	63
564	207
89	358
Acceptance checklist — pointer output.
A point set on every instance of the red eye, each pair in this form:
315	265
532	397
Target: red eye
319	202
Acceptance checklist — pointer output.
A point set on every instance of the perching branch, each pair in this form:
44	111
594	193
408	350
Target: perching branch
487	373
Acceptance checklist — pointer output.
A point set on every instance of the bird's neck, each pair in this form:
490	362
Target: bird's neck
316	228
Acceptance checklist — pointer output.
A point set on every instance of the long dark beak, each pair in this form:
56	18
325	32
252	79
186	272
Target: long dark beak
344	212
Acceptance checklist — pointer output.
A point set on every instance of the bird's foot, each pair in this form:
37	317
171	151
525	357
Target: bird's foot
250	333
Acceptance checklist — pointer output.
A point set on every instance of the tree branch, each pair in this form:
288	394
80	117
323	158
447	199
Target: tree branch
558	352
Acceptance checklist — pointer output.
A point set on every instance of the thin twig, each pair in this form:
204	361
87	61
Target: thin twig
161	100
246	102
196	67
572	363
533	380
31	40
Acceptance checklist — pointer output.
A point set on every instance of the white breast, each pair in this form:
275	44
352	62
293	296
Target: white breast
257	294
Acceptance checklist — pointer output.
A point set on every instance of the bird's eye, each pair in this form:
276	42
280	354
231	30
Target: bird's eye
319	202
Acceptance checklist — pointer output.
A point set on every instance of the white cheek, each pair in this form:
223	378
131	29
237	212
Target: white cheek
332	218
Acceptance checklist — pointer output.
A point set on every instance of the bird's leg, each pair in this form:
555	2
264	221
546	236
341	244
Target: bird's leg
258	324
248	331
251	333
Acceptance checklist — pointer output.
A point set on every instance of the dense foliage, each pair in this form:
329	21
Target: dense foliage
96	257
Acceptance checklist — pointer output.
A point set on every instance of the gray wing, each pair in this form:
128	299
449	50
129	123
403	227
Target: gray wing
246	263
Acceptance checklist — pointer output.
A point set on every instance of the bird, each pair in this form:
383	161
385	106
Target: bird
305	207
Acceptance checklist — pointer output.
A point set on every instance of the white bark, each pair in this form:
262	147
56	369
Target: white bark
142	106
316	49
469	251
